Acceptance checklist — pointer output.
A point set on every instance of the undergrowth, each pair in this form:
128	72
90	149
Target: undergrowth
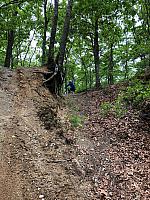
133	96
75	119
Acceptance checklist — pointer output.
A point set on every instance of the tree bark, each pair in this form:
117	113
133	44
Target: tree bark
44	34
126	59
56	65
9	49
64	36
28	48
96	54
110	68
52	37
52	84
61	54
10	42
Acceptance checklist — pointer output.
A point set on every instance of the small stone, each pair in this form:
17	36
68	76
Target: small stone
41	196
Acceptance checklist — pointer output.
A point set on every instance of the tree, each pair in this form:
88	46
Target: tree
44	34
56	64
10	43
96	53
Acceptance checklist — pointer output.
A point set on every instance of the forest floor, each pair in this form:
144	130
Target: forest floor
44	156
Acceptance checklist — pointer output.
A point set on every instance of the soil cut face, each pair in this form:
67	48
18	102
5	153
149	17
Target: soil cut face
43	157
35	146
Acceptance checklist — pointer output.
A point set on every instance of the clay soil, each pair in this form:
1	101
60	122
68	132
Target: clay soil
43	156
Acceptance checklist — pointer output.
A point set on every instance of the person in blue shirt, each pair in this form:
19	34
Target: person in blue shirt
71	87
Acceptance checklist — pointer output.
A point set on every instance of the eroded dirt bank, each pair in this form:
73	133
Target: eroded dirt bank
43	157
35	148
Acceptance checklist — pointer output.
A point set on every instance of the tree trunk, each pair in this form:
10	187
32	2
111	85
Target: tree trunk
62	49
44	35
52	85
110	68
85	73
96	54
52	37
126	59
28	48
91	79
9	49
10	42
56	65
63	42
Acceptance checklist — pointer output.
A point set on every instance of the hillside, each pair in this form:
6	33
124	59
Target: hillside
44	156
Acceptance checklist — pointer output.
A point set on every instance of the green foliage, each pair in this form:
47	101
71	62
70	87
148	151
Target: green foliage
105	108
116	108
76	120
136	93
124	24
119	107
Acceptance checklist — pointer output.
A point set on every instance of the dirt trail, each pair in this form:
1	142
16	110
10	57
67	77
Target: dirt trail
43	157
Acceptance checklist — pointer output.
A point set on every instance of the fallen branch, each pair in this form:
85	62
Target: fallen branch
55	73
50	78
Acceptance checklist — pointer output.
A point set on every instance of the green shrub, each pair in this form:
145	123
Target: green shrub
105	108
119	108
116	108
134	95
76	120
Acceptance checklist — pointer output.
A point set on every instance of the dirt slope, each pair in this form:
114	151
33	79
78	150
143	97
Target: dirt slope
43	157
34	146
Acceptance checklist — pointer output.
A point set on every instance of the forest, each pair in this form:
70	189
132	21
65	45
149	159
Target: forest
92	143
105	41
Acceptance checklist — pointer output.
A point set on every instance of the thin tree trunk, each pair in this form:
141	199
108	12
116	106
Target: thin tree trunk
96	54
28	47
30	59
85	73
126	61
110	68
91	79
10	42
44	35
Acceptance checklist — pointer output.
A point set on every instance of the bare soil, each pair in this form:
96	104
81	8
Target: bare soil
43	157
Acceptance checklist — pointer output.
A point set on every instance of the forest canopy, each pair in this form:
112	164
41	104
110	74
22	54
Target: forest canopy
105	41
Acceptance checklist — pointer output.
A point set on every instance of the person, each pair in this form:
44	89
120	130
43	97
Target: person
71	87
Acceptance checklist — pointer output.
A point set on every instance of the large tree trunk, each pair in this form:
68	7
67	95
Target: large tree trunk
44	35
56	65
9	49
10	43
63	42
96	54
62	49
52	84
53	36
